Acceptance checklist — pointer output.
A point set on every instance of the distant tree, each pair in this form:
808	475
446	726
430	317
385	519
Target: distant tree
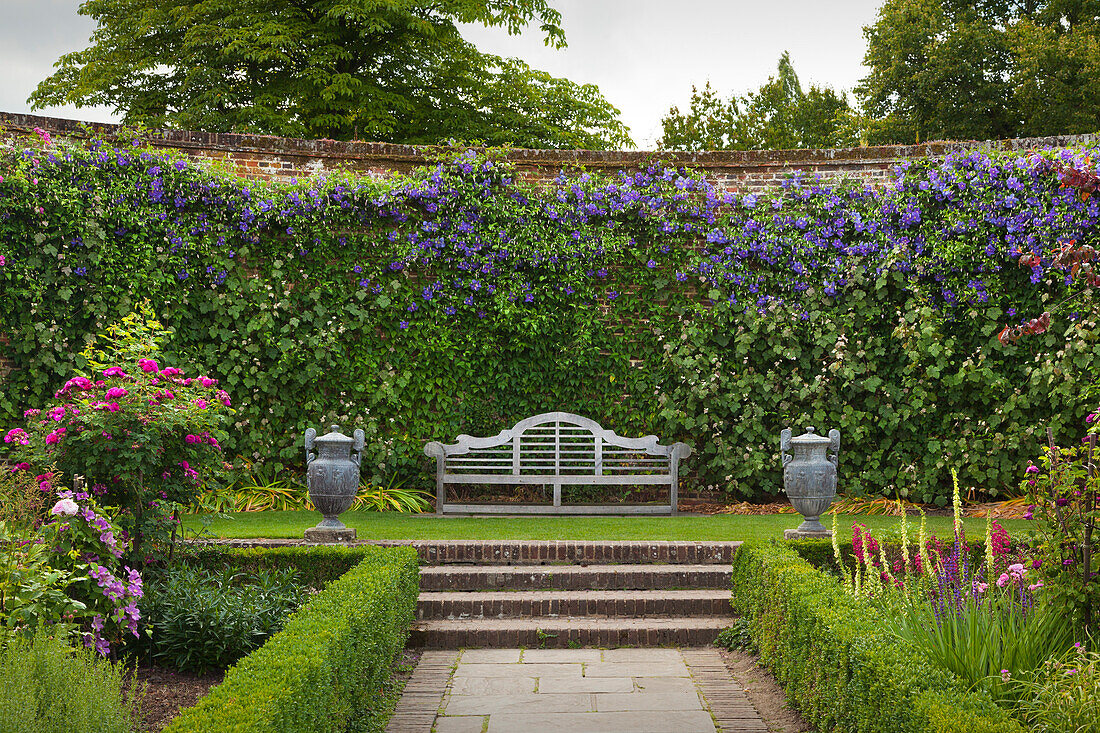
388	70
778	115
948	69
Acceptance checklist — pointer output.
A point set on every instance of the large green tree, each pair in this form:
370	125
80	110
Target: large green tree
389	70
778	115
947	69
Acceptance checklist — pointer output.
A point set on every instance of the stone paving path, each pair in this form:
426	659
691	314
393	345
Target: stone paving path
626	690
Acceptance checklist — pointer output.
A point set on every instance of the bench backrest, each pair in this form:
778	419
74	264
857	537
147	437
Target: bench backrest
558	444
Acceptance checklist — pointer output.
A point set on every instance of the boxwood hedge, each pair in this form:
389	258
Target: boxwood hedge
839	669
325	669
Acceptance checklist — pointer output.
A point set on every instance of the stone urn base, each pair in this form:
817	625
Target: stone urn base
800	534
330	534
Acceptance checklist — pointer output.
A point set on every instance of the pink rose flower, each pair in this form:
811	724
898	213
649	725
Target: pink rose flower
64	508
148	365
115	392
114	372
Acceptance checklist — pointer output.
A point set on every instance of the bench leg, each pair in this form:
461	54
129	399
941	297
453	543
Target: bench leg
557	494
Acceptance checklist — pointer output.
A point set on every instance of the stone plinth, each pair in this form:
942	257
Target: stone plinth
795	534
330	534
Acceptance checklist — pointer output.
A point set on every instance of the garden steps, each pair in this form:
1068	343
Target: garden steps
617	603
568	631
531	594
573	577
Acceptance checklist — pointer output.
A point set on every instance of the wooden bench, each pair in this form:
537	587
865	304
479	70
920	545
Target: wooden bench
556	449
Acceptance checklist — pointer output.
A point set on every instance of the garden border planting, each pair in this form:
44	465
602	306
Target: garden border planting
840	670
323	671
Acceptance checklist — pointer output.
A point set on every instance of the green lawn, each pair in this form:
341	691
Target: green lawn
388	526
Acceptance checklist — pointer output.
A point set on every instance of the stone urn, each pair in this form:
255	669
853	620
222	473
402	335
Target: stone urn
332	476
809	477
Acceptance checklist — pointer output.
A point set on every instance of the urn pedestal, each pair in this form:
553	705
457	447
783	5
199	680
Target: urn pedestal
332	476
809	478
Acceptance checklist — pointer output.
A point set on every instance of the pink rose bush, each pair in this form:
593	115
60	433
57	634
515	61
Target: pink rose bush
147	438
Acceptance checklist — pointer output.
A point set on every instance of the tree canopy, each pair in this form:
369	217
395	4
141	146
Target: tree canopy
387	70
948	69
778	115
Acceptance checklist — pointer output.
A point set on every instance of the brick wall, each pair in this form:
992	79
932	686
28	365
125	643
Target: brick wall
269	157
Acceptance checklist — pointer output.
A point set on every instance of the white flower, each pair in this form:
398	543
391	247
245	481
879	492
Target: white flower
65	508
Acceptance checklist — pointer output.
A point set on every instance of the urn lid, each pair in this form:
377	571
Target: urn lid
810	438
334	437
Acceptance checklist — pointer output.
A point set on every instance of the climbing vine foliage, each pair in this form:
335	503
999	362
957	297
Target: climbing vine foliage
459	298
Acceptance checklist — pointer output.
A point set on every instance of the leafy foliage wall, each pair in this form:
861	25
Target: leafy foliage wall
458	299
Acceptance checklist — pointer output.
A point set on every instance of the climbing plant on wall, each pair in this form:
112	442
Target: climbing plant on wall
460	299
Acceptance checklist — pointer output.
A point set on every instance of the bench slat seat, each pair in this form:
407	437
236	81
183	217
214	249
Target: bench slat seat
556	449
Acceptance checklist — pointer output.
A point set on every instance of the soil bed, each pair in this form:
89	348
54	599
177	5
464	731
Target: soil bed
167	692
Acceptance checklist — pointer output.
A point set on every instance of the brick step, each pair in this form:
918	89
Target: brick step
538	552
543	604
567	632
573	577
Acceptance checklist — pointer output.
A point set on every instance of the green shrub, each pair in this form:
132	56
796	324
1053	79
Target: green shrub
325	670
840	669
314	566
196	620
49	687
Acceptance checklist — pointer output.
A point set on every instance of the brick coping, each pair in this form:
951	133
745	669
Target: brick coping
529	552
375	152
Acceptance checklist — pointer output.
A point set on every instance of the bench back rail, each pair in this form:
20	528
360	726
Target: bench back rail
556	448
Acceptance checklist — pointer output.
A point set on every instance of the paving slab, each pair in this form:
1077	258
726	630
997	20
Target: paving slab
658	701
630	654
541	702
663	684
568	656
637	669
645	722
460	724
587	684
499	685
518	670
490	656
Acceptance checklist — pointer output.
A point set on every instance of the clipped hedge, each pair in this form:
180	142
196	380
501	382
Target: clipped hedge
315	566
838	667
325	669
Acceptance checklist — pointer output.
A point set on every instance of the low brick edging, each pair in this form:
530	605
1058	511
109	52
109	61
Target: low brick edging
423	693
533	552
732	710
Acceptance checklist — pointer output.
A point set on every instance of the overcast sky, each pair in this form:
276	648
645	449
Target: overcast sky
644	55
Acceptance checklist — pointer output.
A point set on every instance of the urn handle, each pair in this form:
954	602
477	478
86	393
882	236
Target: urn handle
311	435
357	447
785	445
834	446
